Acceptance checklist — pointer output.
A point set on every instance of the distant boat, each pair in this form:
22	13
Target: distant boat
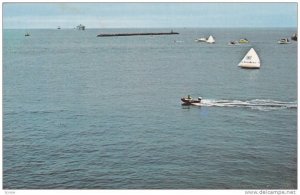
243	40
80	27
210	39
190	101
284	41
294	37
58	28
203	39
27	35
233	43
251	60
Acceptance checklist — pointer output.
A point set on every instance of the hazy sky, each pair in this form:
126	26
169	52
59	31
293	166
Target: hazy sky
148	15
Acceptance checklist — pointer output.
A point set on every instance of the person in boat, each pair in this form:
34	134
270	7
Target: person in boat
189	97
199	98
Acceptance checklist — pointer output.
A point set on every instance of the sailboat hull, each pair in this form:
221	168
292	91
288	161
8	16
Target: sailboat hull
249	66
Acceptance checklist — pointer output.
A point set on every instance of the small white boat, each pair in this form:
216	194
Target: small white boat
203	39
251	60
210	39
284	41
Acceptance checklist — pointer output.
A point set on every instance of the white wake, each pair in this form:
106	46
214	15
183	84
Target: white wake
258	104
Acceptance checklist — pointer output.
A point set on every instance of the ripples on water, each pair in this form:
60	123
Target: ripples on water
83	112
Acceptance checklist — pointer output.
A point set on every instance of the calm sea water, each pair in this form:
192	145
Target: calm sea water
83	112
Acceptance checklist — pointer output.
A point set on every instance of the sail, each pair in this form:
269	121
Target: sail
210	39
251	60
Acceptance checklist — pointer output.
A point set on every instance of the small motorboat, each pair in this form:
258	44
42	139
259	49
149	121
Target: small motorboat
233	43
284	41
243	40
27	35
189	100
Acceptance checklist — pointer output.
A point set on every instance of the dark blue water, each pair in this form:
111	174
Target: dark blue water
83	112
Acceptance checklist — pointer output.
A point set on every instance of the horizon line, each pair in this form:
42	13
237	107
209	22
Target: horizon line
69	28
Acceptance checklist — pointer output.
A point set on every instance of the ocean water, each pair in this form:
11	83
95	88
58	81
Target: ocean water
84	112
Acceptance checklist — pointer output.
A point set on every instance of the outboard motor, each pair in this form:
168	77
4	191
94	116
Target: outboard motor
200	98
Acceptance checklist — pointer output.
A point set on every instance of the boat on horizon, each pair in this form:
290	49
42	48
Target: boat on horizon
80	27
251	60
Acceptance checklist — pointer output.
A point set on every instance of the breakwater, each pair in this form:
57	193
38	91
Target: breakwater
136	34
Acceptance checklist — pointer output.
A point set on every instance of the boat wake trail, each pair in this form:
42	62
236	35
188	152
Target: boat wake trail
257	104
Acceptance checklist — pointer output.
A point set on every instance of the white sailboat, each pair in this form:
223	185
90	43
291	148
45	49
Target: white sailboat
251	60
210	39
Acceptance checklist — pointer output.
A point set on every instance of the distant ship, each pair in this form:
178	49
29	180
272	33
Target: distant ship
58	28
80	27
27	35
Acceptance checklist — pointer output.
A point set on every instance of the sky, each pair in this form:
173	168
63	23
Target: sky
148	15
